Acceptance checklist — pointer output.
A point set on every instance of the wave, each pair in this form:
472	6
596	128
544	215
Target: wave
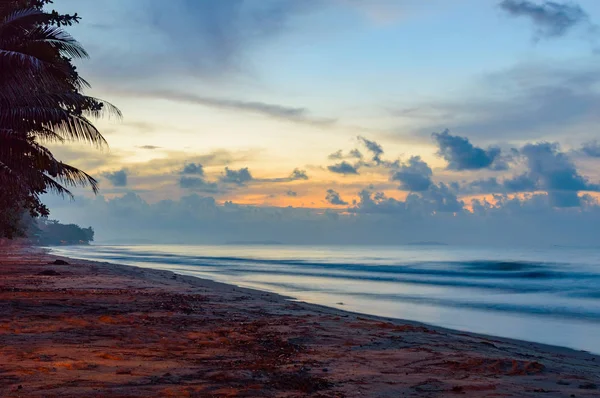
484	269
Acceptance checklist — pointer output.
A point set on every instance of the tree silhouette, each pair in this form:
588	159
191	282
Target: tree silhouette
41	101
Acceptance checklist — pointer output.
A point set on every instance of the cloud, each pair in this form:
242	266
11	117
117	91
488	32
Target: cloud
298	174
198	184
116	178
553	168
548	169
462	155
520	183
339	155
528	101
200	38
334	198
373	219
149	147
214	36
355	154
438	198
291	194
414	175
373	147
551	19
591	149
239	177
377	203
555	173
376	161
344	168
295	175
274	111
193	168
488	185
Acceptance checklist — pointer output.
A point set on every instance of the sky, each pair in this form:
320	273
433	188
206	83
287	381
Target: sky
341	121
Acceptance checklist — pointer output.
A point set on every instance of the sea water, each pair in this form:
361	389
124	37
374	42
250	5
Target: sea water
548	295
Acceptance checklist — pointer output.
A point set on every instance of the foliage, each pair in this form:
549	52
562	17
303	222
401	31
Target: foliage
41	102
50	232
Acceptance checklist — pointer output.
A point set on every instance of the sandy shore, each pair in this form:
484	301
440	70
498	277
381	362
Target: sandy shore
95	329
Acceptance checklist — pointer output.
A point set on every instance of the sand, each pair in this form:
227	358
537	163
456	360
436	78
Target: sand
95	329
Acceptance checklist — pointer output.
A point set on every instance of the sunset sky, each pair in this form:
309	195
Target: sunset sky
343	105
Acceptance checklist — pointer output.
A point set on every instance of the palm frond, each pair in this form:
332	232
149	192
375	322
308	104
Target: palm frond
65	123
18	18
10	58
58	39
55	187
41	101
72	176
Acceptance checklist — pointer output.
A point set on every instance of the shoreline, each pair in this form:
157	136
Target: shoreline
95	329
571	330
340	311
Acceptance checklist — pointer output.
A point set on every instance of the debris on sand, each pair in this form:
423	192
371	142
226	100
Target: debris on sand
49	272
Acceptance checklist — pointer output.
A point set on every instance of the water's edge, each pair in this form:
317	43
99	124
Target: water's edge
333	310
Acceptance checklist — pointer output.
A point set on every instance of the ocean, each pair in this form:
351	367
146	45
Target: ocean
546	295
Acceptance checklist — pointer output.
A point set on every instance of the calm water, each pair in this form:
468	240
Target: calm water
546	295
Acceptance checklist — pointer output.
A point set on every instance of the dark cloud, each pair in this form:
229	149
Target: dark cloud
520	183
548	211
239	177
377	203
198	184
334	198
149	147
548	169
373	147
193	168
555	173
376	161
344	168
551	19
291	193
462	155
355	154
488	185
591	149
279	112
415	175
553	168
117	178
298	174
438	198
339	155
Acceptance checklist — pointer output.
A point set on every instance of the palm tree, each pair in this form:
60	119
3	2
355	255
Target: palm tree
41	102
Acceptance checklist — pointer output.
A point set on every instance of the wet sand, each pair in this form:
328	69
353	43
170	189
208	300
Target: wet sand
91	329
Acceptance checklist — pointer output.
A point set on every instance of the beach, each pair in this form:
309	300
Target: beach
98	329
